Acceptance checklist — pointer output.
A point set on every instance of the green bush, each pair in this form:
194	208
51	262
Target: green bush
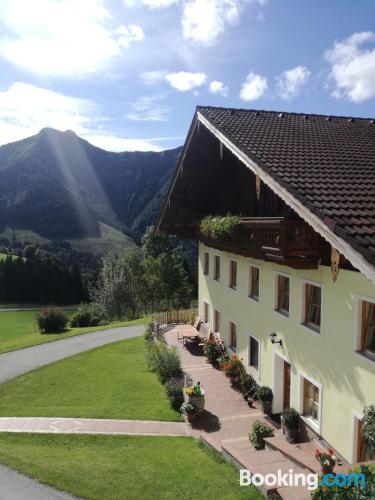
148	333
219	226
290	418
51	320
164	361
368	423
259	431
265	393
213	350
87	315
175	393
354	491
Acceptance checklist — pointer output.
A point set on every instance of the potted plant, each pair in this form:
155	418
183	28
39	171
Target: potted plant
260	430
327	460
196	396
189	410
368	426
235	371
213	349
290	420
247	385
265	396
223	361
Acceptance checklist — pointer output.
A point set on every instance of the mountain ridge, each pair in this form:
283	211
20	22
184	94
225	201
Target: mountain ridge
62	187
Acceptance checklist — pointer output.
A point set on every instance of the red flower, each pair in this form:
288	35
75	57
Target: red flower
330	451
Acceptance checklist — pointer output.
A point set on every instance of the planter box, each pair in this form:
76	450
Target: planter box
198	401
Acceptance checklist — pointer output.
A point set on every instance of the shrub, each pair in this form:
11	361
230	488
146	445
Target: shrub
368	425
248	383
265	393
219	226
164	361
87	315
290	418
213	349
223	360
188	408
354	491
148	333
259	431
235	370
51	320
175	393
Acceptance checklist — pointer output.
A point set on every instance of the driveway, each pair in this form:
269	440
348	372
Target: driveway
15	486
21	361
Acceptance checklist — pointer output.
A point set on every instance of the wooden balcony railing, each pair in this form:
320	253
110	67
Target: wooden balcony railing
286	241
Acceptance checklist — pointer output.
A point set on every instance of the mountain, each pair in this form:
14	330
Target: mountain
55	185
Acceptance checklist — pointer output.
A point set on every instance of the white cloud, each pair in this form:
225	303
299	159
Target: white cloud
352	67
184	81
290	82
25	109
62	38
153	77
150	3
254	87
217	87
204	20
148	108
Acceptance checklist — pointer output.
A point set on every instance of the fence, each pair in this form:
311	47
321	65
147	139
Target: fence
175	317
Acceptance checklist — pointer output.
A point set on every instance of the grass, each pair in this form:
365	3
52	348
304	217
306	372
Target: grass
107	382
124	467
4	256
18	329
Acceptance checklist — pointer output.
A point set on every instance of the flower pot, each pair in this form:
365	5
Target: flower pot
197	401
327	469
291	435
191	417
266	407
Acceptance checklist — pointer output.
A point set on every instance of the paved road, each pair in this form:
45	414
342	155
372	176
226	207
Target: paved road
15	486
21	361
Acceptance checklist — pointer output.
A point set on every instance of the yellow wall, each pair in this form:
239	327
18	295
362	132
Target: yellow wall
347	379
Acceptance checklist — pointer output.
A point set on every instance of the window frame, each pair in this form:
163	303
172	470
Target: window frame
250	284
206	263
359	313
206	304
309	326
282	312
216	330
233	348
311	422
231	287
255	371
215	277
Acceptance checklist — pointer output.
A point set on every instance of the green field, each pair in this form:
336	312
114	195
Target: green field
18	329
4	256
125	467
108	382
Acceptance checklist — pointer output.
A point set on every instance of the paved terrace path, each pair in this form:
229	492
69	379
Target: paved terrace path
21	361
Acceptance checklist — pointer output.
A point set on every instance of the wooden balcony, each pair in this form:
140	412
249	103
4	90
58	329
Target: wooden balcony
285	241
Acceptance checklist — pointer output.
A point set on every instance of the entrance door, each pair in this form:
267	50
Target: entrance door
286	393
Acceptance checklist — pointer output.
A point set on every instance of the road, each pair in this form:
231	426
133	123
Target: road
15	486
21	361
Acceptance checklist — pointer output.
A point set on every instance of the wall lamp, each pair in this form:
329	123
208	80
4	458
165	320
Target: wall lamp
273	337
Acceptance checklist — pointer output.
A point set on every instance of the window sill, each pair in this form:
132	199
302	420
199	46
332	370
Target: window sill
216	280
311	329
366	357
232	349
254	299
232	289
313	424
282	313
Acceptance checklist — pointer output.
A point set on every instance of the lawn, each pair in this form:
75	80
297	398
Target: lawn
124	467
4	256
107	382
18	329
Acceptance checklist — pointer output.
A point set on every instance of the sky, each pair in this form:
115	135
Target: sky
128	74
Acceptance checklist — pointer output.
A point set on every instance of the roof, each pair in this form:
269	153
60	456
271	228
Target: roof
327	163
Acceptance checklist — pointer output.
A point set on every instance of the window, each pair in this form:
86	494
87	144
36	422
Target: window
206	267
368	329
217	268
206	311
232	336
313	303
216	321
310	400
254	283
254	353
282	294
233	274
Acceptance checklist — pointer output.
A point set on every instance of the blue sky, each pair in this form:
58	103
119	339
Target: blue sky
127	74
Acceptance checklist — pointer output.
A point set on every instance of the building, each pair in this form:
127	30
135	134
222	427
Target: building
291	289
